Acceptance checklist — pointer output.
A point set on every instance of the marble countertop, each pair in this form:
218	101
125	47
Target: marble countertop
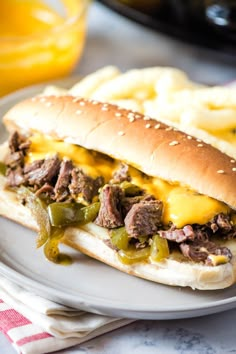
213	334
115	40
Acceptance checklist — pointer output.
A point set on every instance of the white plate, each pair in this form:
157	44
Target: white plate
89	284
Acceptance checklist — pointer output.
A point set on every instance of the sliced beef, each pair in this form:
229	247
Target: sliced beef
128	202
221	223
46	173
178	235
201	233
14	142
220	251
84	185
188	232
231	234
35	165
46	189
199	251
18	145
144	218
110	215
122	174
18	142
15	177
24	145
14	159
62	186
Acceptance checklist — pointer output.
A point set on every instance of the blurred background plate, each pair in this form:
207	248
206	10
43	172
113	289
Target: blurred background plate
207	27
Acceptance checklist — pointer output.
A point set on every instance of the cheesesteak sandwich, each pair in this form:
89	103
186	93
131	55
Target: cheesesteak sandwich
122	188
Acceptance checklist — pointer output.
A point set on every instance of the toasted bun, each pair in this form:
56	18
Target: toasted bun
171	271
152	147
156	149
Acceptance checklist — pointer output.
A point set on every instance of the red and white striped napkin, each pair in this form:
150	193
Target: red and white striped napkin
35	325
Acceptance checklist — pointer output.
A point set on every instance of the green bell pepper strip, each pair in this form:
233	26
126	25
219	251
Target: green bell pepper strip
51	249
120	238
130	189
3	169
159	249
65	214
131	256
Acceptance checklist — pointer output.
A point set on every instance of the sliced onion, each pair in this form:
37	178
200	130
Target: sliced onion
39	213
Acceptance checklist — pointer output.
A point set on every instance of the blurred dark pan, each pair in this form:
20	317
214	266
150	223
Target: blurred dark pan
209	24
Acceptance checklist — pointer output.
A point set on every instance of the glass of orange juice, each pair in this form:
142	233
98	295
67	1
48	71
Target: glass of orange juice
39	40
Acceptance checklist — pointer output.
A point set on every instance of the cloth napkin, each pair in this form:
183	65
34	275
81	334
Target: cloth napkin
35	325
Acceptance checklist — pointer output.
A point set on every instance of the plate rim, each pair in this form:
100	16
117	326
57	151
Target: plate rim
13	275
93	303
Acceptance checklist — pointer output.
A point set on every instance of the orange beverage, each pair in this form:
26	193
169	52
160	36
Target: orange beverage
39	40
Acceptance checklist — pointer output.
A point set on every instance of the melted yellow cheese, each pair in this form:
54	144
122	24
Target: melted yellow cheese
186	207
93	164
182	206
